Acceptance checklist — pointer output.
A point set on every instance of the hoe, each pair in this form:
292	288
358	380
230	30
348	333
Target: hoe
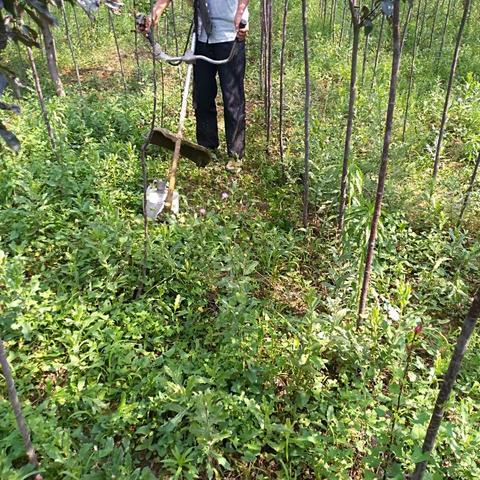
163	198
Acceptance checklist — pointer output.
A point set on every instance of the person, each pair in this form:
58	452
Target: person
219	23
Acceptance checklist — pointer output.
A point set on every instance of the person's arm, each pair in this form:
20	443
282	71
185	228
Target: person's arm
241	32
157	11
242	5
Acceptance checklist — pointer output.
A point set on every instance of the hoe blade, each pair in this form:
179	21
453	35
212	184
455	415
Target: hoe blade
199	155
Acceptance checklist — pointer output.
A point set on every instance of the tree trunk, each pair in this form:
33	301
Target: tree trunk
51	54
262	49
333	16
422	23
448	383
17	409
306	170
434	23
267	67
407	21
324	14
444	31
137	58
77	26
351	117
365	51
282	93
122	71
70	45
41	100
344	14
174	28
453	69
384	161
377	53
412	73
388	453
470	188
143	161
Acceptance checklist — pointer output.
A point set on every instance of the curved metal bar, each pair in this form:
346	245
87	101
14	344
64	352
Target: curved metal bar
188	57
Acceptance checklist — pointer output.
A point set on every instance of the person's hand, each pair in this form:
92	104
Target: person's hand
151	20
148	23
242	32
145	27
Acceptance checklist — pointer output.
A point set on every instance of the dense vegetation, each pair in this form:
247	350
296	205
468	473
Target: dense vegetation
242	358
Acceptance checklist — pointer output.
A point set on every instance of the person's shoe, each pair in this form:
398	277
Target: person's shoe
215	153
234	165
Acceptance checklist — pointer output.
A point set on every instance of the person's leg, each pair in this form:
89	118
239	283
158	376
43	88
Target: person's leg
232	77
204	94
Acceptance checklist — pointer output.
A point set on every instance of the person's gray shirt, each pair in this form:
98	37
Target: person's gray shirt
222	14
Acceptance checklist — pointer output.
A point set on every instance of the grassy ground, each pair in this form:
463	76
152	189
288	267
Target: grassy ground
241	359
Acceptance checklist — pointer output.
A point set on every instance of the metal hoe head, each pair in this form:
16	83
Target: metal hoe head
199	155
159	197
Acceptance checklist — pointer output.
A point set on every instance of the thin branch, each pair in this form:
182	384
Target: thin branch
17	409
447	384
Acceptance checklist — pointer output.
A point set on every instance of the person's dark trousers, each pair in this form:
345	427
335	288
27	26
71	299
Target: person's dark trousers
232	77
